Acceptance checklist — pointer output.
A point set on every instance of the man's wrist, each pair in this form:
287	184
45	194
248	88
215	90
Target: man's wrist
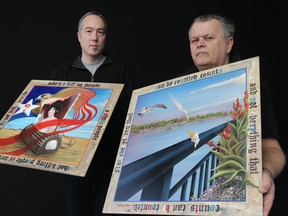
269	172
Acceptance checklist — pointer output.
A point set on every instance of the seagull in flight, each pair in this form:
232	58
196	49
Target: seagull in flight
149	109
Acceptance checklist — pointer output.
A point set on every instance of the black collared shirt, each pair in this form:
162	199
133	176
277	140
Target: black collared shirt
111	71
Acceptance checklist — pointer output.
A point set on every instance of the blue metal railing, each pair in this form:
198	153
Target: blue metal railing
153	173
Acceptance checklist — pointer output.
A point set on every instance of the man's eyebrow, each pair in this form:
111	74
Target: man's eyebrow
206	35
89	27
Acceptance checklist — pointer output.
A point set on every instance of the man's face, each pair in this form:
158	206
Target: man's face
92	37
208	46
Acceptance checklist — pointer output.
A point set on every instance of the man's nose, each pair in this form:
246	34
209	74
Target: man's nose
94	36
201	42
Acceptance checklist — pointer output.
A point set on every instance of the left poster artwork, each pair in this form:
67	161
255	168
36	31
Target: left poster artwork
56	126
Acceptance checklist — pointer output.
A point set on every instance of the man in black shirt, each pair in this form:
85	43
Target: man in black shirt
86	195
211	41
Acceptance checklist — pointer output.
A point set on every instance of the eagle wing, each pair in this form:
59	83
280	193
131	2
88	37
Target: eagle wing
75	97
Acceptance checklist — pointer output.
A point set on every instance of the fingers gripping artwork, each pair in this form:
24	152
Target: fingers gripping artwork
190	146
56	125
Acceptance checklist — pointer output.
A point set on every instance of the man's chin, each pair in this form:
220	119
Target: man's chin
202	62
94	54
203	65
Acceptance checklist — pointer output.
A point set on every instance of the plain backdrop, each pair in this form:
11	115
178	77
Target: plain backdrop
152	37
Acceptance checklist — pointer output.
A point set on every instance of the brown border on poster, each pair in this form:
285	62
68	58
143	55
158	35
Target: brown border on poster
83	112
144	186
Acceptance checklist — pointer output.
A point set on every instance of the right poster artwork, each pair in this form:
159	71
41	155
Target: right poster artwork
192	146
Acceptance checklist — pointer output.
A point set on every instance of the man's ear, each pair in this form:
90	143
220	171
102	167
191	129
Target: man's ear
78	36
230	42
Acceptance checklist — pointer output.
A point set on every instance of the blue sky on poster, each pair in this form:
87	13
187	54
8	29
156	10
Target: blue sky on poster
213	94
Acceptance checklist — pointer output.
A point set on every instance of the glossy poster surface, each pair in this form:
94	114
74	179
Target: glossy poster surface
191	146
56	125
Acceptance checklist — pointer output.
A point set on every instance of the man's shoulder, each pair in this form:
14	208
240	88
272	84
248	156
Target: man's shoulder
113	60
190	70
116	63
61	70
66	64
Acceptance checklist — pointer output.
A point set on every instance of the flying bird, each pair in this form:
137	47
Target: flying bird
194	136
149	109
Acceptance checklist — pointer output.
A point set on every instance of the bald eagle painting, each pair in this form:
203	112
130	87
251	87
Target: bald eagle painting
65	99
48	126
48	119
71	110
